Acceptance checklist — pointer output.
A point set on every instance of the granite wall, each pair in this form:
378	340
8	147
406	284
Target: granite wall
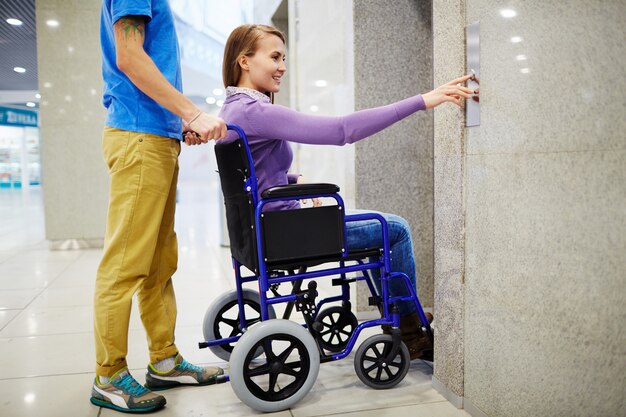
531	244
393	169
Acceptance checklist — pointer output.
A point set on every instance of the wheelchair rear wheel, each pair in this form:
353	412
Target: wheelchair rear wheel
338	325
221	319
284	372
372	367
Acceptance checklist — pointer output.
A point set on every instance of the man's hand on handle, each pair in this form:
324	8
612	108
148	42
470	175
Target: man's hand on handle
203	127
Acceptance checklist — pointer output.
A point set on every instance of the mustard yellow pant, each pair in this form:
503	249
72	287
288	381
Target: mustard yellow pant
140	247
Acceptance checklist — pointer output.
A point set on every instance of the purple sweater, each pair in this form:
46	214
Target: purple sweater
270	128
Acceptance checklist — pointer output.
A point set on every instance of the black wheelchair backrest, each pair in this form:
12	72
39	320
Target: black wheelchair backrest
287	236
234	169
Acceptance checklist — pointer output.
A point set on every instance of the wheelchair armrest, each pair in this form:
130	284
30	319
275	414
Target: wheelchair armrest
296	190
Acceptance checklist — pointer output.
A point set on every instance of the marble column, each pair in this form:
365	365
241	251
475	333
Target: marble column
393	169
75	182
449	212
529	211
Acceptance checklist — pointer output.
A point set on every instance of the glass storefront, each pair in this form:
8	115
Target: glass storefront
19	149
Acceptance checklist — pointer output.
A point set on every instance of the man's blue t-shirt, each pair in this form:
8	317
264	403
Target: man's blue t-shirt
127	107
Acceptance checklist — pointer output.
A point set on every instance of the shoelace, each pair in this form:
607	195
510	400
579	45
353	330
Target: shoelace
186	366
131	386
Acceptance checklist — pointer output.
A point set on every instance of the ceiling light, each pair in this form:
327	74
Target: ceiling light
321	83
14	22
508	13
52	23
30	104
314	108
220	103
47	84
19	70
525	70
37	95
516	39
210	100
218	92
521	57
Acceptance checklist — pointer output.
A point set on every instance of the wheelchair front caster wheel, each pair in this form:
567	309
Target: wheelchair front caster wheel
372	366
284	372
338	324
221	319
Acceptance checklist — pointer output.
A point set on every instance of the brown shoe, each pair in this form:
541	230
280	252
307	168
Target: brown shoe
412	335
418	343
410	323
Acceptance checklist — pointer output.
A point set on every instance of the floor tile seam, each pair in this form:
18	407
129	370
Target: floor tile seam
46	376
7	323
51	282
53	261
21	311
36	307
379	408
2	337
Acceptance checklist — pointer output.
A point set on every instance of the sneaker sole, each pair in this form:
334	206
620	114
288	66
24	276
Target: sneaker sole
106	404
160	385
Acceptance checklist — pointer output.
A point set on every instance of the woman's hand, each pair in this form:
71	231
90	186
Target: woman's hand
316	201
453	92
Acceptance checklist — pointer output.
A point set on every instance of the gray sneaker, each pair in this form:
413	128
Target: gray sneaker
183	373
124	393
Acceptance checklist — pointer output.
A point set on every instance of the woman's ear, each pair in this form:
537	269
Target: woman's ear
243	63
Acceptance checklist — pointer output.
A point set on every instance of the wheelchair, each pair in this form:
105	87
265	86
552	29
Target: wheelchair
274	362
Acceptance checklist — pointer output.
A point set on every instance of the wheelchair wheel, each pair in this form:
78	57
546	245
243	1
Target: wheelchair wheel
284	372
338	324
221	319
373	370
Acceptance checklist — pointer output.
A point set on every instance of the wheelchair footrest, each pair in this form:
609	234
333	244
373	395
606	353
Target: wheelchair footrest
305	300
375	300
341	281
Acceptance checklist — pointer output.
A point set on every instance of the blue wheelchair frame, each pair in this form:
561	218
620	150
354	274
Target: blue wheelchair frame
389	317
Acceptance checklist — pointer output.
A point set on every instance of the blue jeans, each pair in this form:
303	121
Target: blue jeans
367	234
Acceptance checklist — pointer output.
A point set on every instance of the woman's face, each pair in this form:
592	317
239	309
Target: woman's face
267	66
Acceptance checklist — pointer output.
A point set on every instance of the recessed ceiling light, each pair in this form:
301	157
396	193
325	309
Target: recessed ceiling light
19	70
525	70
321	83
508	13
14	22
314	108
52	23
516	39
30	104
210	100
218	92
521	57
220	103
37	95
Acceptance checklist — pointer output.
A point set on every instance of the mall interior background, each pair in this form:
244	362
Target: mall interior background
519	222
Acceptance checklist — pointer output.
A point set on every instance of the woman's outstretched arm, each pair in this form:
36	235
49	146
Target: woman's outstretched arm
279	122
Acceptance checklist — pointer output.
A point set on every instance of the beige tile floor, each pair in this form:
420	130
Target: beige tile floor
46	341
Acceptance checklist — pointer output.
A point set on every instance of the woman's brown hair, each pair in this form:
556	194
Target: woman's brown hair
243	42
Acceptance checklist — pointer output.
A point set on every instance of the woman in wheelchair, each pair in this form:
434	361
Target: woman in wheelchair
254	62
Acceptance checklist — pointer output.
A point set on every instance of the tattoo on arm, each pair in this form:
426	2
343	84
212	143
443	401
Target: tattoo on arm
131	26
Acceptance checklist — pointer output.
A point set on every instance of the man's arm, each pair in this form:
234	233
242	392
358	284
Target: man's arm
133	61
